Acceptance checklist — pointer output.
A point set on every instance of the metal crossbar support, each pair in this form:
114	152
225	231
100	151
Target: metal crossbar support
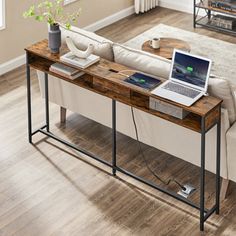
79	149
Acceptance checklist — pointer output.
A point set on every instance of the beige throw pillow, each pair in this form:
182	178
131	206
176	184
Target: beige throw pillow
82	38
142	61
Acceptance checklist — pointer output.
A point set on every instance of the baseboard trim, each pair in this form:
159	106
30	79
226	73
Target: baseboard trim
110	19
19	61
176	6
12	64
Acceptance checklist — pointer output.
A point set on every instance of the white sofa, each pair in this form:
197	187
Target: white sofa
153	131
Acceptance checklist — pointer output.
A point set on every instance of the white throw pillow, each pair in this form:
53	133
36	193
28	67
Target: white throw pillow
142	61
220	88
82	38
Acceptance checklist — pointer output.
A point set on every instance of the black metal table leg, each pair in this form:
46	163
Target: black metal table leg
218	144
202	180
194	14
29	99
209	14
46	102
114	137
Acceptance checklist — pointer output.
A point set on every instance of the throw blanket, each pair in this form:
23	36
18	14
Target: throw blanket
145	5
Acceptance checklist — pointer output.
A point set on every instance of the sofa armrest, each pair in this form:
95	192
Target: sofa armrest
231	152
225	120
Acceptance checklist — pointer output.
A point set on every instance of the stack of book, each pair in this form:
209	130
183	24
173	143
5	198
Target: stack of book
82	63
66	71
227	5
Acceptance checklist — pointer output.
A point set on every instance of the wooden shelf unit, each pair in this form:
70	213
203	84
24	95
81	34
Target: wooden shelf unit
204	21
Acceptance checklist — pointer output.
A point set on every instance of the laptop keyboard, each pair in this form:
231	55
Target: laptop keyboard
188	92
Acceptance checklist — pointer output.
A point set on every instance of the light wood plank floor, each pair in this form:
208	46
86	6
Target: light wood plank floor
48	189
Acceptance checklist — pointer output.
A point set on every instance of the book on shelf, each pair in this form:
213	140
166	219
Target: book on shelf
227	5
82	63
66	71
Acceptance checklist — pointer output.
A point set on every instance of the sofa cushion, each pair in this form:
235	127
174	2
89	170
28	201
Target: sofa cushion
142	61
82	38
220	88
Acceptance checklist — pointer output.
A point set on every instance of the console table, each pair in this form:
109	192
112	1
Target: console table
100	78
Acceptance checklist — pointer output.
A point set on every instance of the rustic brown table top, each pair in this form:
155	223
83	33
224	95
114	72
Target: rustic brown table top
167	46
99	79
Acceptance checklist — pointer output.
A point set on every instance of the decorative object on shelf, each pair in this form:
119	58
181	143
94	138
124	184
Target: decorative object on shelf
52	13
81	63
142	6
222	21
79	53
54	38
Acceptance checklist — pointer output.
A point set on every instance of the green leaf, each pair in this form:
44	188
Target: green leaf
39	18
51	11
59	2
51	21
48	4
59	10
68	25
30	12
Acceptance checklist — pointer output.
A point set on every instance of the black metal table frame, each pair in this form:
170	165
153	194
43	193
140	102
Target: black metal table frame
204	213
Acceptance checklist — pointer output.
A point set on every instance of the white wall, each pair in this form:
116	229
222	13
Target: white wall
180	5
20	32
2	14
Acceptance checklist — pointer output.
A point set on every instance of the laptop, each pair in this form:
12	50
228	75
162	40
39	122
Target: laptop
188	79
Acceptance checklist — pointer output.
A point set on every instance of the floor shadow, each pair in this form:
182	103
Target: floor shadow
121	190
86	129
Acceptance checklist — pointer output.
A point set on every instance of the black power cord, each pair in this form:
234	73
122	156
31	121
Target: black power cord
146	162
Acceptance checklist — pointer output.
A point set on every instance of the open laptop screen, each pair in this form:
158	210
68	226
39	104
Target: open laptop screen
190	69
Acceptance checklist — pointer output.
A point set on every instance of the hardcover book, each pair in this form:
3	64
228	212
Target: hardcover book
64	69
228	5
72	77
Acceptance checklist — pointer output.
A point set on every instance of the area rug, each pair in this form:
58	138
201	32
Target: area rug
222	54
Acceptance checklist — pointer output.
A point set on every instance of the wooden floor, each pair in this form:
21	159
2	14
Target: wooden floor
46	190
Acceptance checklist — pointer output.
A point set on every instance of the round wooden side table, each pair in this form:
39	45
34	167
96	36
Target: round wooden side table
167	46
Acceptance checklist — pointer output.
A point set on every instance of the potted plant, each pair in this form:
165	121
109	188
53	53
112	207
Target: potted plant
53	13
